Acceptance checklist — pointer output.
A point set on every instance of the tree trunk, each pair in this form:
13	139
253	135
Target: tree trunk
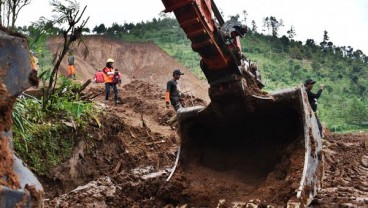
13	14
1	12
8	13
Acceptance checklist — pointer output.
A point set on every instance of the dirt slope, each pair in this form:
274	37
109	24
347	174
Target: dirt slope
144	61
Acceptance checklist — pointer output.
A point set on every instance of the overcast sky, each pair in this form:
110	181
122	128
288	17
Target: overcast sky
346	21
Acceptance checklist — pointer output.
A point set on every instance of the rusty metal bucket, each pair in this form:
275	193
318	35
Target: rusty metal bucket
248	141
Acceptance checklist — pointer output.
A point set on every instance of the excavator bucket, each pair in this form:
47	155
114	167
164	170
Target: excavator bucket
18	185
254	144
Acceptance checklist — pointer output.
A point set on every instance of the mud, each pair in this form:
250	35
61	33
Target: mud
120	165
207	187
7	176
345	181
126	161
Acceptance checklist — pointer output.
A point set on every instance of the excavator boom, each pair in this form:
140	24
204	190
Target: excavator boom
244	135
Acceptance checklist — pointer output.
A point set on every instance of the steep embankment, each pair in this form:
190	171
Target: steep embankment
143	61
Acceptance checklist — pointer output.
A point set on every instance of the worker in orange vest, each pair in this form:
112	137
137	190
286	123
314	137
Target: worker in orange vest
34	60
108	78
71	67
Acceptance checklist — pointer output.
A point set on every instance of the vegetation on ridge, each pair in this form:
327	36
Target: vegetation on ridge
283	62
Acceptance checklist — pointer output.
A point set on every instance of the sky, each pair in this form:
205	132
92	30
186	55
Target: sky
346	21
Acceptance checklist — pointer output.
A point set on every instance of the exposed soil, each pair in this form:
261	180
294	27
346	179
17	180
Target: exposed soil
345	181
125	163
127	160
143	61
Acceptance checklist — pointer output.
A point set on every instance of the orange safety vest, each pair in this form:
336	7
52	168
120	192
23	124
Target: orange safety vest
34	62
108	78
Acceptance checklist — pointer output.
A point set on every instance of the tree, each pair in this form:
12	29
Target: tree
266	24
254	27
291	33
325	36
323	44
101	29
349	51
310	43
115	29
1	12
11	9
276	25
285	42
72	31
358	55
86	29
357	112
273	24
245	16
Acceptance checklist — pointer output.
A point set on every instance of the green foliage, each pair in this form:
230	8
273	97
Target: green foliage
38	132
43	147
357	112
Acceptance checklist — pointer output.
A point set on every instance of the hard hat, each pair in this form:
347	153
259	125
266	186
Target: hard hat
110	60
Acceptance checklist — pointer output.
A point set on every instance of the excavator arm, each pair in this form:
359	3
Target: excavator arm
218	44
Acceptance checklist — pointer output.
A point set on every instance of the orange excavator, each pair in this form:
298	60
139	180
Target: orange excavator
249	141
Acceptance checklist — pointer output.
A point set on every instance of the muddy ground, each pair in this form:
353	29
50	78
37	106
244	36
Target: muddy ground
126	163
128	159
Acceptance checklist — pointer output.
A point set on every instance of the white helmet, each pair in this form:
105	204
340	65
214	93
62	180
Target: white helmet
110	60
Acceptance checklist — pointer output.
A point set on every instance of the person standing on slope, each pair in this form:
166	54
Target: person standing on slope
173	95
34	61
71	67
313	97
108	78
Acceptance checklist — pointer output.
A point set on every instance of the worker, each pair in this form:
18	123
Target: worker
71	67
312	97
117	77
34	61
99	76
34	71
173	95
108	78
